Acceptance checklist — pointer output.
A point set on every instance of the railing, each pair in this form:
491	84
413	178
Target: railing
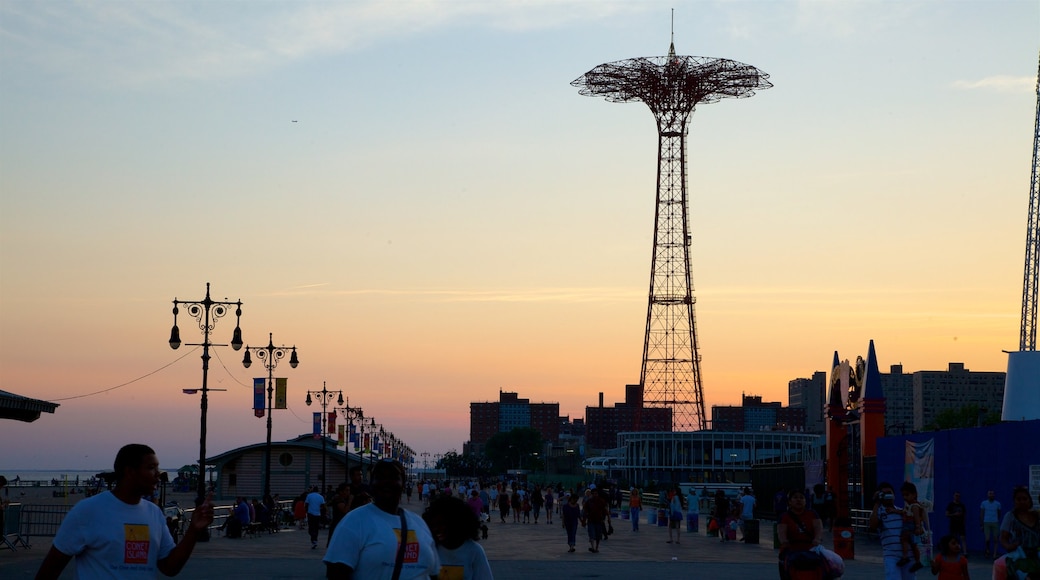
23	521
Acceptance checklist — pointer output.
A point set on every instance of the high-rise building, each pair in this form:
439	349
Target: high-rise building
508	413
955	388
898	388
602	424
809	394
755	415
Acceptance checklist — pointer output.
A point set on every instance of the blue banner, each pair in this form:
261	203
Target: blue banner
258	397
317	425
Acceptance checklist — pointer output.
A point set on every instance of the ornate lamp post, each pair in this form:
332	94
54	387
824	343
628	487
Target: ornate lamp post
372	430
350	414
324	398
269	355
206	312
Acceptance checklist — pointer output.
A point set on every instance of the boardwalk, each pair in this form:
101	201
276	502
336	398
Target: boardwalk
516	551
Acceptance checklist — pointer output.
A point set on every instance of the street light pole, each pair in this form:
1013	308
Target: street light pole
206	312
269	355
324	398
350	414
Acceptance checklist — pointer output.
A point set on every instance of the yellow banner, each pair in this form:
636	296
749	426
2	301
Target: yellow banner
339	432
279	392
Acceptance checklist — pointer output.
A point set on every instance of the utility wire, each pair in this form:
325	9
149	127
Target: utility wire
175	361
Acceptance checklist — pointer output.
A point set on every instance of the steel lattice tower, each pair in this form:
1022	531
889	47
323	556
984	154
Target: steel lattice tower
672	86
1031	275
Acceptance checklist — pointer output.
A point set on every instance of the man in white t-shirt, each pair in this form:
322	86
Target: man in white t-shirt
989	521
119	534
367	541
747	511
314	501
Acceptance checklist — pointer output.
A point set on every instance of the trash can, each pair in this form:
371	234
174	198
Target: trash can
662	518
692	522
751	531
844	542
651	517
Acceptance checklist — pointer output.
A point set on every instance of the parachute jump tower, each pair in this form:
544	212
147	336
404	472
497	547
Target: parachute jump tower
1022	385
672	86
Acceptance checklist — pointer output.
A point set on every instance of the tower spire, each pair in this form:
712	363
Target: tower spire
671	45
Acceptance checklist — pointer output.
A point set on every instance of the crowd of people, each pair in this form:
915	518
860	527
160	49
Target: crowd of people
369	533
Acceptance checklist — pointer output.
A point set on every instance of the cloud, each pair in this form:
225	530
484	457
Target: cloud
145	44
512	295
999	83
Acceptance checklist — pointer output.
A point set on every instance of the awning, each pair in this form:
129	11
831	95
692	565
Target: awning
21	408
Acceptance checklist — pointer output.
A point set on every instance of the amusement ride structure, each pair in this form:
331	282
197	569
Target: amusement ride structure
672	86
1022	389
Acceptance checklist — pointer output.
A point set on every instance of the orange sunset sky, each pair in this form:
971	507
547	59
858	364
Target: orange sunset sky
416	198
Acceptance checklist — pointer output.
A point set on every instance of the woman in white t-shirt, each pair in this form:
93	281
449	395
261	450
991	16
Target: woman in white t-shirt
455	528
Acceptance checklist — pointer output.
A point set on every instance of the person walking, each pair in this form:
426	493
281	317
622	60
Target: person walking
635	503
887	520
594	516
549	501
675	514
570	513
989	521
956	514
747	511
339	505
537	500
118	531
380	537
314	502
503	505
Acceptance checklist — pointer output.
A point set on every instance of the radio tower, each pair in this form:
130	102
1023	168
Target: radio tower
1022	386
1027	336
672	86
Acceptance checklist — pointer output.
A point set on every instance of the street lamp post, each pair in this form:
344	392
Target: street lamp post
324	398
206	312
350	414
269	355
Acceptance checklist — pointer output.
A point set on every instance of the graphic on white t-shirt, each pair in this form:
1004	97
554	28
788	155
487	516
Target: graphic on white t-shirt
136	540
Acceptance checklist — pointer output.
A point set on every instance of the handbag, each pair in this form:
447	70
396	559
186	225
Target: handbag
399	562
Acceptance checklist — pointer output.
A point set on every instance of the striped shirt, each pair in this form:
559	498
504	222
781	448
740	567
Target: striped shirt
890	526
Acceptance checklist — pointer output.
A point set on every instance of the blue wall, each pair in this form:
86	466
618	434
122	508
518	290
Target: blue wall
971	461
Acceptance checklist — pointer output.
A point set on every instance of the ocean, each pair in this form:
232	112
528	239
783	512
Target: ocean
47	475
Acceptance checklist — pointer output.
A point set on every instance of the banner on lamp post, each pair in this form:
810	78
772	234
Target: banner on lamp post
280	386
332	423
258	397
340	441
317	425
366	447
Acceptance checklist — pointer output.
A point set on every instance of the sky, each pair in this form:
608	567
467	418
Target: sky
412	193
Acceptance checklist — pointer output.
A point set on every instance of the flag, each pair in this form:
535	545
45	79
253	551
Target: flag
365	448
339	433
317	425
258	397
280	386
332	422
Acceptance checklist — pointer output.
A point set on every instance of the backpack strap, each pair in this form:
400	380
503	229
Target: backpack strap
401	545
